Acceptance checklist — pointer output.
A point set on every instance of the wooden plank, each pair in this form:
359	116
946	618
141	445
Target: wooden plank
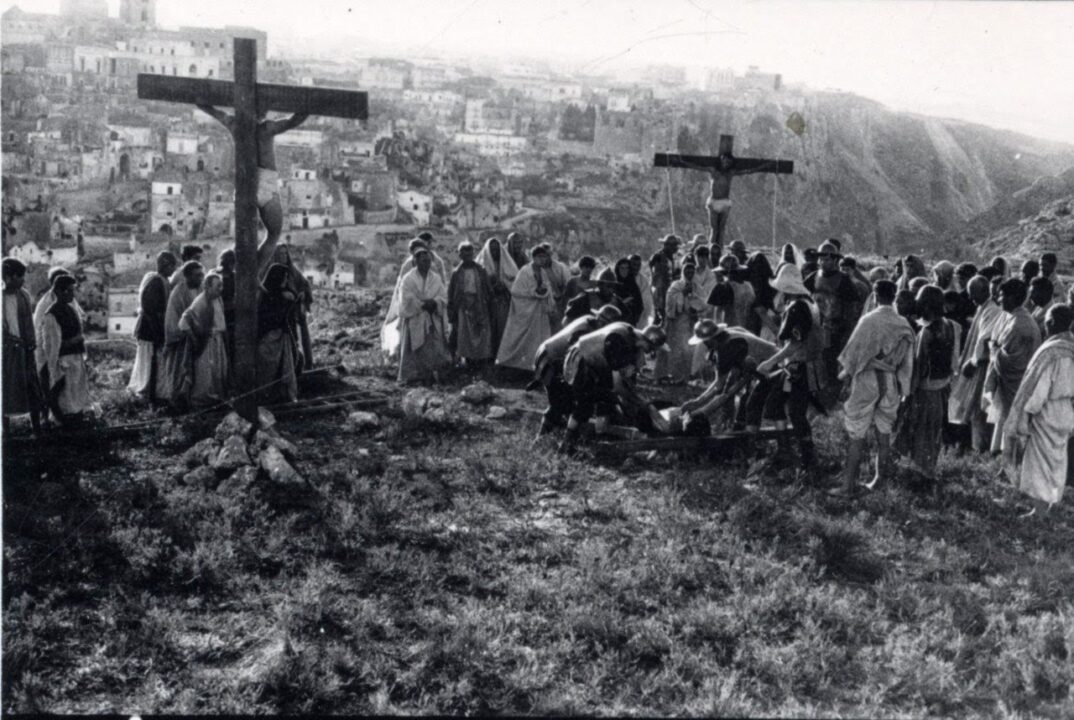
706	162
712	442
330	102
244	101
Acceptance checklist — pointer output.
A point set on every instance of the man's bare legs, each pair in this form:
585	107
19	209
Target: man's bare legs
272	217
883	459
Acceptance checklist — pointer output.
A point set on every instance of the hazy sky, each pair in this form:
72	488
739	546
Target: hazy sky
998	63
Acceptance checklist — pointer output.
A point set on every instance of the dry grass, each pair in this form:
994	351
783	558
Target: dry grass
453	569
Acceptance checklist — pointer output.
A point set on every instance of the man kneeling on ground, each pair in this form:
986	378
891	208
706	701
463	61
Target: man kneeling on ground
601	370
548	364
736	353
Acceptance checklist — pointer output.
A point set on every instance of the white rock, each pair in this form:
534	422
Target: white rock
278	469
497	413
478	393
231	457
201	453
265	438
363	420
233	424
265	419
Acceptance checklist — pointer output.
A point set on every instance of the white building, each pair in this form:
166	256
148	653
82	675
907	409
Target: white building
303	174
181	144
492	144
312	139
418	205
122	311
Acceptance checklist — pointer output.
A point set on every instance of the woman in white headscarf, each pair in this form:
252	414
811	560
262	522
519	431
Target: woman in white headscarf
502	271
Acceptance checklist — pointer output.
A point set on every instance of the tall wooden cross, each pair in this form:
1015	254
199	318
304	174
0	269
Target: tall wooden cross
249	98
722	167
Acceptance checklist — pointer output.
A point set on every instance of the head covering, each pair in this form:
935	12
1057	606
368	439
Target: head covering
275	278
465	244
737	245
878	273
607	276
789	281
705	330
54	272
416	243
829	248
505	271
64	281
966	270
12	266
539	250
930	298
167	259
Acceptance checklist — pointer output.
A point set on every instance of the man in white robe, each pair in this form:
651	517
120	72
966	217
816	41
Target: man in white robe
533	308
64	376
423	350
1040	423
878	363
389	331
964	404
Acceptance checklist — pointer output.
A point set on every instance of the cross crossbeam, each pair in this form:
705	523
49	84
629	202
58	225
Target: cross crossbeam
281	98
722	167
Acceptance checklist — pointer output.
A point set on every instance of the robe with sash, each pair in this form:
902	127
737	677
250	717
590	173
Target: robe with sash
501	274
965	400
22	392
469	309
423	350
277	348
389	331
148	376
683	307
879	360
1016	338
1041	421
205	360
42	307
530	321
65	379
181	297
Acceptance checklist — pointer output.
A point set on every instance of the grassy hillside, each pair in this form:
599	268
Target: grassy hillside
453	568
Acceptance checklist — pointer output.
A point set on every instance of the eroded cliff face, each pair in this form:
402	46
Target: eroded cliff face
1048	229
886	182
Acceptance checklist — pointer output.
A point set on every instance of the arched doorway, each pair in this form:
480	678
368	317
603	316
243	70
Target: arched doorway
166	229
125	166
201	165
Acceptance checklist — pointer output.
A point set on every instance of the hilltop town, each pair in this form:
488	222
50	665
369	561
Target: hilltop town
92	176
95	177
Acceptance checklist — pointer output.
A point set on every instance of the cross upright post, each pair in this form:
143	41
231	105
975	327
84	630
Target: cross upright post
722	167
244	373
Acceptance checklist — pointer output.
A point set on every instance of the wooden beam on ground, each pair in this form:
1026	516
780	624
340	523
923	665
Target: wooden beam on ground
678	444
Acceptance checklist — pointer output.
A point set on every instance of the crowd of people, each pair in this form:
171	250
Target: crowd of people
980	359
185	335
973	358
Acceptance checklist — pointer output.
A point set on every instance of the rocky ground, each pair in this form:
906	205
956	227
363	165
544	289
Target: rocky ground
426	556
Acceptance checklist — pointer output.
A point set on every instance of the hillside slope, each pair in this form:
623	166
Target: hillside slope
887	181
1050	229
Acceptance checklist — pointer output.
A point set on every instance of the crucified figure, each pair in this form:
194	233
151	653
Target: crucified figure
268	194
719	202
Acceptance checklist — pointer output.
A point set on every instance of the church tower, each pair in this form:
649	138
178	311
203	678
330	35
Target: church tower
138	13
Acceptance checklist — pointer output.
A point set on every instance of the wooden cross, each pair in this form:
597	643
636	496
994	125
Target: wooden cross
249	98
723	167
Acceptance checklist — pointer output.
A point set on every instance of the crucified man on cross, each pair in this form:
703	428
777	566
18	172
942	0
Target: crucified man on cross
719	201
268	194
